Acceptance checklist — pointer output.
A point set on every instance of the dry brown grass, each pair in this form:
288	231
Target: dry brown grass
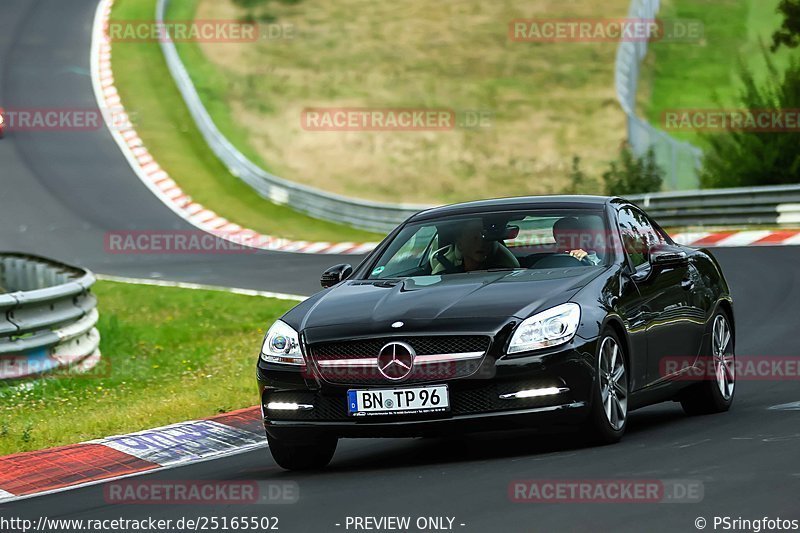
548	101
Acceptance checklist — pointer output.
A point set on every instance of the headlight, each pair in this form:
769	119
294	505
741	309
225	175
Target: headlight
548	328
282	345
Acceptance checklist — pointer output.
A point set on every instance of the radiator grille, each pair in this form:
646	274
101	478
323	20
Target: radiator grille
369	349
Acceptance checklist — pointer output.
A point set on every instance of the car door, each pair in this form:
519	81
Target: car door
665	300
698	306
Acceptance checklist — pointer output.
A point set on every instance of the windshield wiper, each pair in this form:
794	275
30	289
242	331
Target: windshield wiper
497	269
388	282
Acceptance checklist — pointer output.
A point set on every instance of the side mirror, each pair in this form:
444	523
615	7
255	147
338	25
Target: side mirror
667	255
334	275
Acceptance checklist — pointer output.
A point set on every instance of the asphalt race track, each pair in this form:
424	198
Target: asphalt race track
747	459
80	185
62	191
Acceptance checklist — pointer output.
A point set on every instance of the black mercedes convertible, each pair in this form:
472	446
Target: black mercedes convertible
500	314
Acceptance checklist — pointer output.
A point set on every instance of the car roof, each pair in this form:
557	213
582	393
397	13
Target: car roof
518	202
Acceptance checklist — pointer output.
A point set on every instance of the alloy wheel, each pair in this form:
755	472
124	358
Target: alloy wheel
613	383
723	357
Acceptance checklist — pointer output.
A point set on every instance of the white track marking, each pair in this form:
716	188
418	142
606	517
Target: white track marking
794	406
202	287
687	239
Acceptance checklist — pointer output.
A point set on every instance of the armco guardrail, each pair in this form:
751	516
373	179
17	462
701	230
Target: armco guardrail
681	160
47	317
364	214
752	206
723	207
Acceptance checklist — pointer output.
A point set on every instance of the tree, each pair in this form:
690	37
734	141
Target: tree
789	33
633	175
751	158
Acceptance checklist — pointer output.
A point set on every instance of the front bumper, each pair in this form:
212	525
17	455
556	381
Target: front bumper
476	403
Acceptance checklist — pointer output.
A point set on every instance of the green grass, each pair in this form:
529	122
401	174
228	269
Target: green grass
698	75
547	101
210	85
169	355
163	122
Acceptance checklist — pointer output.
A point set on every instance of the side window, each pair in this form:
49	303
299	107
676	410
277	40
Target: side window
637	235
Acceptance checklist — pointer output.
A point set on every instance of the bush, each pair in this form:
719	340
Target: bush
789	33
577	178
633	175
249	4
746	158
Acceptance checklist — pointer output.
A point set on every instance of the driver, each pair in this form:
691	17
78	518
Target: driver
472	251
571	236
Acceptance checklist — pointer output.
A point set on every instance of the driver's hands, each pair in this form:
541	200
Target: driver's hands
580	255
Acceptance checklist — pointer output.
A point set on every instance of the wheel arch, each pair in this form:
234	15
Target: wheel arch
725	305
614	323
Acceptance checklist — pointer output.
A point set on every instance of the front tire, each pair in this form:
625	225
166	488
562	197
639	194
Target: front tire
608	417
297	455
714	395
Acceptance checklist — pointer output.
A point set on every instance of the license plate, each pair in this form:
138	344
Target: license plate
398	401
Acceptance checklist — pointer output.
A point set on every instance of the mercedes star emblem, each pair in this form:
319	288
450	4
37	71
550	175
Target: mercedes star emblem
396	360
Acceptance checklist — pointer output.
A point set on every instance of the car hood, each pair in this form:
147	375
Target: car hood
472	295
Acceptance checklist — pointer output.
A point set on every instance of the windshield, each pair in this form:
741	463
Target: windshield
536	239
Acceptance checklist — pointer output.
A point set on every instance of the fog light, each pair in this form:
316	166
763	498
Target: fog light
288	406
534	393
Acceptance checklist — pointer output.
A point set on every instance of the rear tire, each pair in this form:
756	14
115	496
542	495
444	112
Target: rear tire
715	393
298	455
608	417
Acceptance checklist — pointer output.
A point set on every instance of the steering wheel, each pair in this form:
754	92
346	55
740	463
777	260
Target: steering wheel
559	261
